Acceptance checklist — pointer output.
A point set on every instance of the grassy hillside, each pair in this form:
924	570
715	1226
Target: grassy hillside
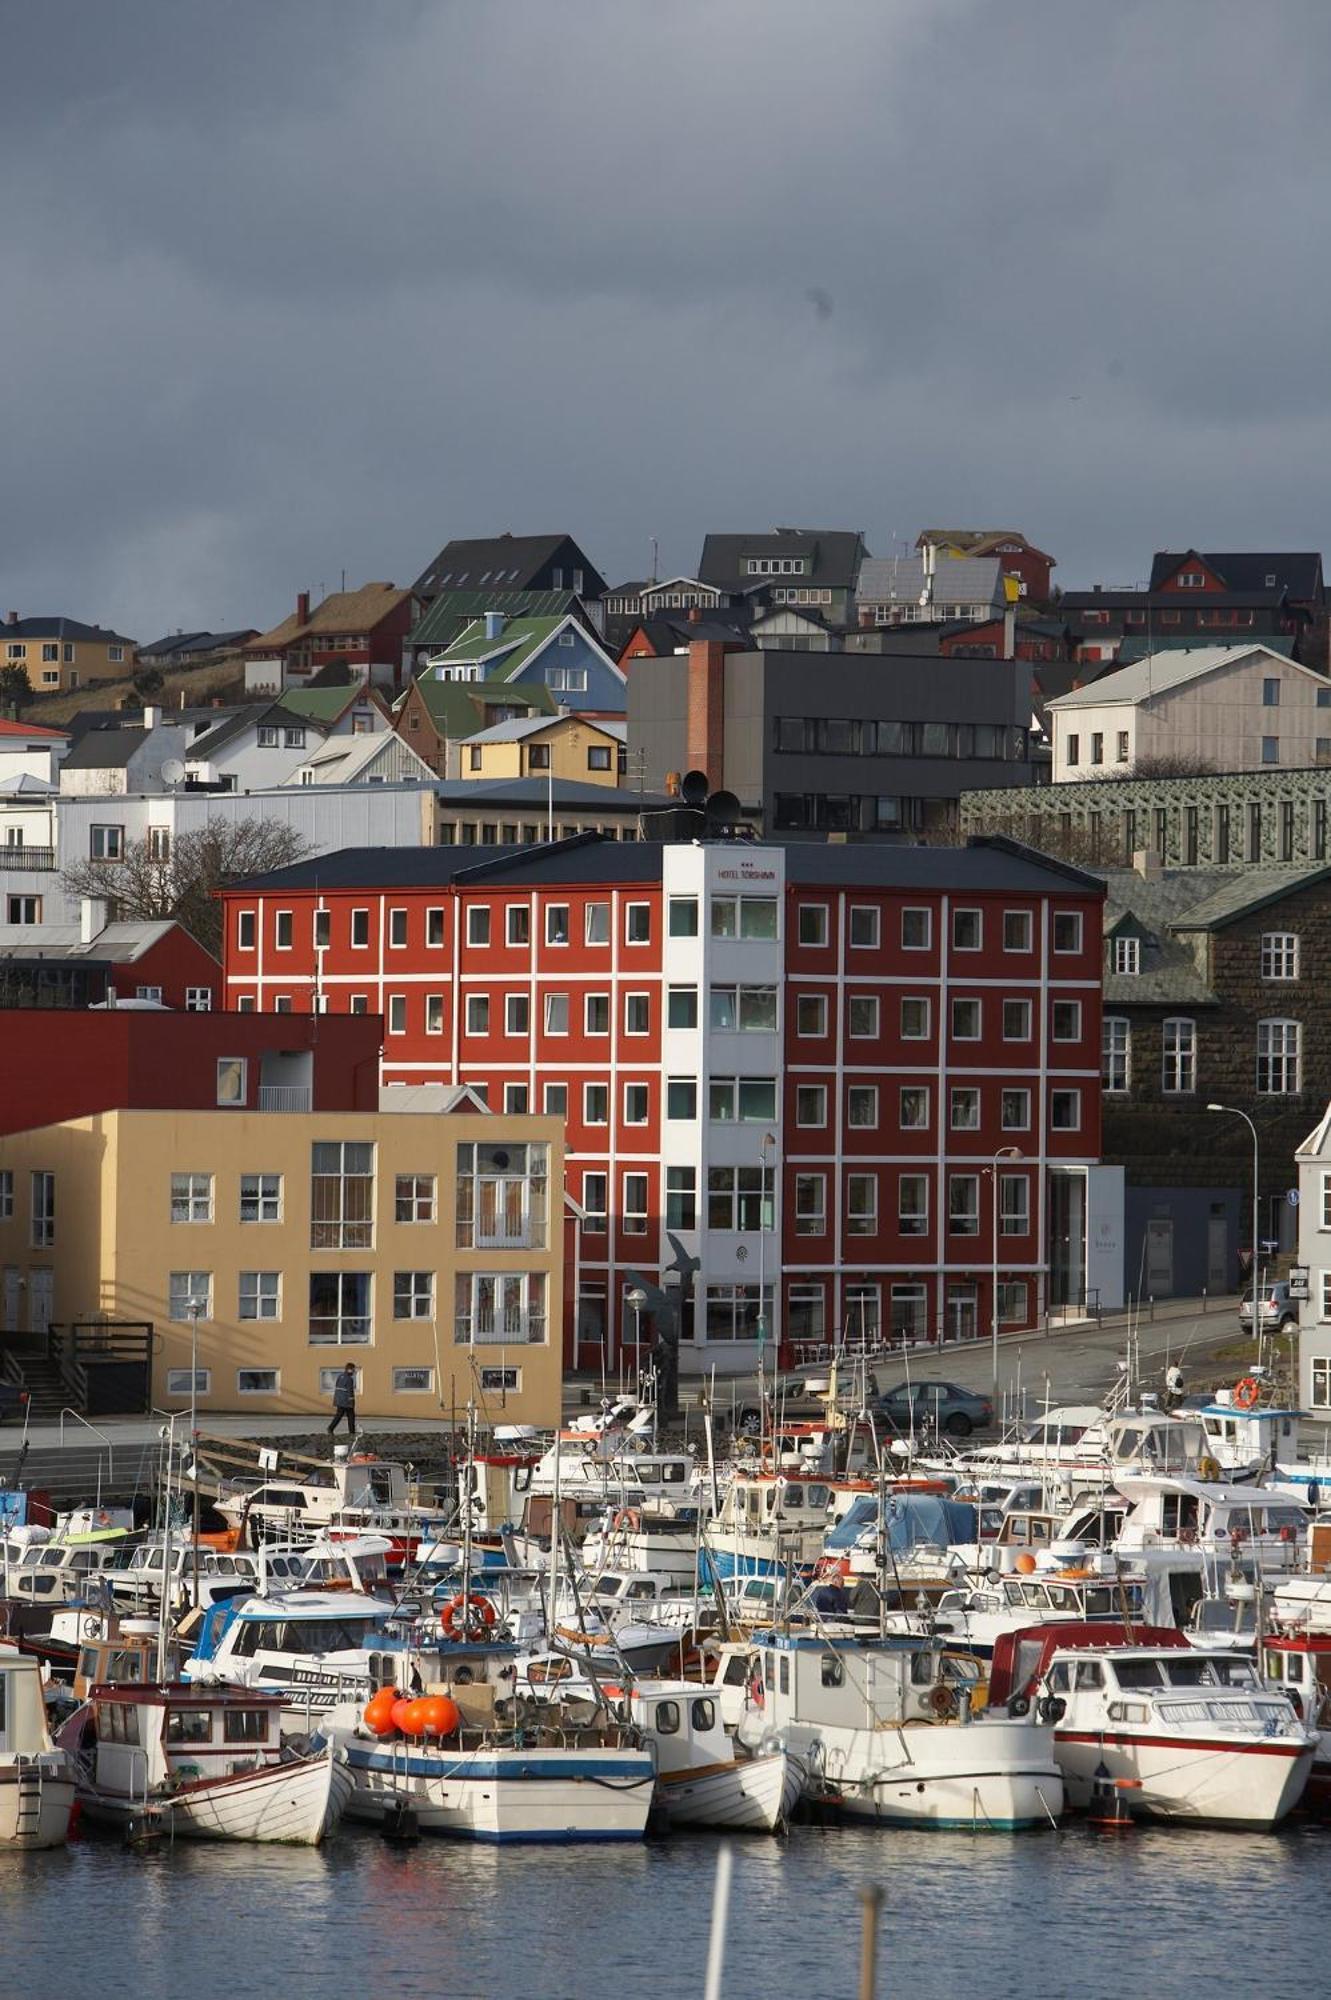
197	685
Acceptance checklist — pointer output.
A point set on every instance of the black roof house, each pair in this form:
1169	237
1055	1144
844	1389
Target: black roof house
1248	572
511	562
831	557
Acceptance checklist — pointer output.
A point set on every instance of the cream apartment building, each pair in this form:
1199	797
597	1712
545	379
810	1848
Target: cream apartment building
427	1249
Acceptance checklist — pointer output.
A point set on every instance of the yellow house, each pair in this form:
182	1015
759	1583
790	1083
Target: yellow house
426	1248
61	653
544	746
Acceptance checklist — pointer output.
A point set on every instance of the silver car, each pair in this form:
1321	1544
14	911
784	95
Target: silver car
1275	1307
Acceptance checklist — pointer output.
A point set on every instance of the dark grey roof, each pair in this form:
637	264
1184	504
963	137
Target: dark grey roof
510	562
1297	575
62	628
1161	910
998	865
568	792
233	724
833	555
197	642
104	749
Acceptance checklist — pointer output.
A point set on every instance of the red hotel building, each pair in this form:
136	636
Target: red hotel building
804	1066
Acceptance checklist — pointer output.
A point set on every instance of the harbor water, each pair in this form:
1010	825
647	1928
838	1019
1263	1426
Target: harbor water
1162	1911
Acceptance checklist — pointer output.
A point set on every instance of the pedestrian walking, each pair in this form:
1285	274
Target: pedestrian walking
344	1399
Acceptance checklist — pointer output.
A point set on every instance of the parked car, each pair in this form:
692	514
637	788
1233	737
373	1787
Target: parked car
951	1410
1276	1307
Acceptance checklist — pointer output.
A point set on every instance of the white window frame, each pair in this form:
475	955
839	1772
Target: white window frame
191	1198
1126	959
259	1295
1178	1056
1280	955
1116	1055
186	1288
1279	1056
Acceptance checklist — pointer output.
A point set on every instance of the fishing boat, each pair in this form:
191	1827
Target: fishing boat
703	1776
896	1731
1196	1735
36	1776
472	1760
1299	1663
206	1764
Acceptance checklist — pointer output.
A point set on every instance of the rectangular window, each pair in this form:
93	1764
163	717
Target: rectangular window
637	1013
810	1204
556	1013
916	930
739	1198
517	1099
914	1020
638	923
1017	930
963	1205
913	1204
967	934
812	929
811	1014
636	1102
6	1194
340	1308
478	925
862	1016
862	1106
260	1295
681	1097
596	1013
517	1014
864	927
434	929
1271	693
597	921
682	1007
261	1197
414	1198
478	1014
397	928
1015	1109
1127	956
413	1295
517	924
397	1013
1097	746
1116	1054
811	1104
23	909
1280	955
413	1381
1065	1110
41	1234
554	1100
556	923
191	1197
1016	1020
360	930
258	1381
633	1218
1073	752
1067	1020
190	1295
595	1202
596	1104
1278	1058
1270	749
1014	1205
106	843
683	916
861	1204
1067	930
341	1195
178	1382
434	1013
965	1109
245	930
1122	750
1179	1057
966	1020
681	1198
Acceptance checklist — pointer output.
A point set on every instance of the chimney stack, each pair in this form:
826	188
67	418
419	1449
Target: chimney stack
152	715
92	918
11	618
303	606
705	733
494	624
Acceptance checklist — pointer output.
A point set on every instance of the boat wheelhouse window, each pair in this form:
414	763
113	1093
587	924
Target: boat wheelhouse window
794	1496
245	1725
769	1671
643	1587
1060	1677
667	1718
117	1722
1046	1434
1090	1674
736	1673
124	1666
300	1635
785	1673
189	1725
834	1672
87	1667
674	1472
819	1497
1275	1520
1138	1673
702	1714
1128	1443
1210	1672
1179	1513
278	1496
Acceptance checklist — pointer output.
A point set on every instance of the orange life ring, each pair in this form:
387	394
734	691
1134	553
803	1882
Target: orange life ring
1247	1393
469	1608
757	1693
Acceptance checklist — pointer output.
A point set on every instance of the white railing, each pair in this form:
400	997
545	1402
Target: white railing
284	1097
499	1329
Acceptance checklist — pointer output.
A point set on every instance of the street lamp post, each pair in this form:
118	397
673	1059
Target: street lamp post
637	1298
1232	1111
194	1440
1003	1153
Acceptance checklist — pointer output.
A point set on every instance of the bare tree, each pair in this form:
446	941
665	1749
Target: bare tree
1169	764
181	884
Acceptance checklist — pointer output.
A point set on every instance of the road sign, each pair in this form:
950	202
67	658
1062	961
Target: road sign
1298	1282
1292	1197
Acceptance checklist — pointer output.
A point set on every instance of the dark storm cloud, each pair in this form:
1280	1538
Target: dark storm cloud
297	287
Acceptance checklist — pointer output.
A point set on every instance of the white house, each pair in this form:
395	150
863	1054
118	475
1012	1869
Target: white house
1230	708
127	758
383	759
252	749
1313	1160
27	751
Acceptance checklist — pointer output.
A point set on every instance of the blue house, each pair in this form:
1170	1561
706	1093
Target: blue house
559	654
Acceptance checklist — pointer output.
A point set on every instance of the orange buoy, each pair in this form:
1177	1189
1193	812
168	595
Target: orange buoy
440	1716
378	1711
412	1720
1026	1563
397	1714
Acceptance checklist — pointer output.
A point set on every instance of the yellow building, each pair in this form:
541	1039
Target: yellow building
544	746
59	654
426	1248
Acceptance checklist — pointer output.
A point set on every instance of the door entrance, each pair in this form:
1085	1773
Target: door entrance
1160	1257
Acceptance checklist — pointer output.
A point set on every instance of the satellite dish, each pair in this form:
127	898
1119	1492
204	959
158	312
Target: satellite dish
723	809
173	772
693	788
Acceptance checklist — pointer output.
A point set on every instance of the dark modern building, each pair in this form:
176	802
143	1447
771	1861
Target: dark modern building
833	743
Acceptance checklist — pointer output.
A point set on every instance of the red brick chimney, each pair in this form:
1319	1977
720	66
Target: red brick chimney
705	737
303	606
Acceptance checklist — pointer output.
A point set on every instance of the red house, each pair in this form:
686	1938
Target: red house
791	1076
95	964
366	627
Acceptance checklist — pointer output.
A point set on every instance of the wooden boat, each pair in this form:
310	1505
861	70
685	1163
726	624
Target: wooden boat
207	1764
703	1777
36	1777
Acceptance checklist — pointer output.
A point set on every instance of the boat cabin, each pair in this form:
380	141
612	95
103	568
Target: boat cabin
1181	1512
1300	1665
170	1734
683	1722
862	1683
57	1572
1022	1657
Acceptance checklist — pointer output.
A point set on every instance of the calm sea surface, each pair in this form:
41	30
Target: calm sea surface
1151	1915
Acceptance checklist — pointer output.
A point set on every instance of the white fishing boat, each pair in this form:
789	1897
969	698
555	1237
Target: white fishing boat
1194	1735
206	1765
705	1778
36	1777
477	1764
895	1731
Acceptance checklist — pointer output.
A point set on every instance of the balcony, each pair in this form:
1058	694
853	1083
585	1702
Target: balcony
26	858
505	1329
284	1096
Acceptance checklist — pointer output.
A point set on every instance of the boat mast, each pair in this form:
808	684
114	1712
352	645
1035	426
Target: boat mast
164	1608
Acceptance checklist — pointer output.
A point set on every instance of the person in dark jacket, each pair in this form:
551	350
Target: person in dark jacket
344	1399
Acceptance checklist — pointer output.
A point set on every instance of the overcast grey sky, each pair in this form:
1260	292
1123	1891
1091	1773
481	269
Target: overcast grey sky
294	286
